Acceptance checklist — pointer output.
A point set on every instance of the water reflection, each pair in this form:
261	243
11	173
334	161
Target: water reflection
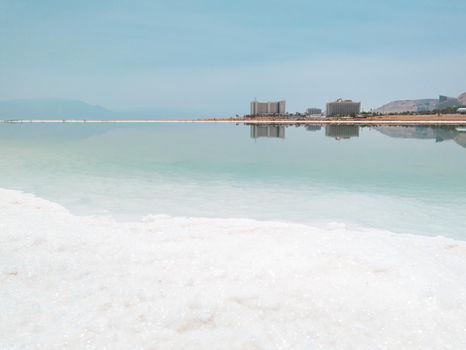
439	134
64	132
313	127
342	132
345	132
272	131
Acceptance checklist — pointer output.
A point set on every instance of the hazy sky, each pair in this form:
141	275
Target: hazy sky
215	56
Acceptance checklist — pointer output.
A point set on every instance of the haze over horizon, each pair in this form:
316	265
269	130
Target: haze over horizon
206	57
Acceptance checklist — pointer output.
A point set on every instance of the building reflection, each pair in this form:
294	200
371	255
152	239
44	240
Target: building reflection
342	132
313	127
439	134
271	131
345	132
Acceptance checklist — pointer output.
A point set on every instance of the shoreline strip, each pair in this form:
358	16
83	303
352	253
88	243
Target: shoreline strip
401	122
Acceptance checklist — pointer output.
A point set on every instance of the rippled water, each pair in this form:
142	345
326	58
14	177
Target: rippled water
403	179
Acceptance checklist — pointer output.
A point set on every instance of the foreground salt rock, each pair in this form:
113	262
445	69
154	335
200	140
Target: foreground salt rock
69	282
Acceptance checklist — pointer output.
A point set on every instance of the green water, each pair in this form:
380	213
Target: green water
409	180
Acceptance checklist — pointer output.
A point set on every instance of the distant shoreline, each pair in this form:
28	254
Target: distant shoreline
395	120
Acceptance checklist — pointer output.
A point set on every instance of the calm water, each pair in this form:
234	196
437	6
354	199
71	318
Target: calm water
410	180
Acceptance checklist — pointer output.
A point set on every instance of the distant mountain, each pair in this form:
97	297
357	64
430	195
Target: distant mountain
462	98
75	109
52	109
422	105
428	104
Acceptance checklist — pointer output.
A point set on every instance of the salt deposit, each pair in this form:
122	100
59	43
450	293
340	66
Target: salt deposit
70	282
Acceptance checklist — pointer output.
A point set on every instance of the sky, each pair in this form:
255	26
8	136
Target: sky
213	57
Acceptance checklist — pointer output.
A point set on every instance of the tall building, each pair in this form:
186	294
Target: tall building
313	111
343	108
274	131
268	108
445	102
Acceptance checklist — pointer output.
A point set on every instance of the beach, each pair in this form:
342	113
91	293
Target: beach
194	283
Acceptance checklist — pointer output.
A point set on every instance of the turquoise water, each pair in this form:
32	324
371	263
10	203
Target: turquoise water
407	180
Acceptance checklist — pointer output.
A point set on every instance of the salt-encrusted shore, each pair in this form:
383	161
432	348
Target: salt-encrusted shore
70	282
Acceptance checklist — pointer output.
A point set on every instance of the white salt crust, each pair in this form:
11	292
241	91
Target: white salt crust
70	282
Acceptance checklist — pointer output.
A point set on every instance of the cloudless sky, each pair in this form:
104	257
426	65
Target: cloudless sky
213	57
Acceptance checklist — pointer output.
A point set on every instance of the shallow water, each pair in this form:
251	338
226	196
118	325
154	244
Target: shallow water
407	180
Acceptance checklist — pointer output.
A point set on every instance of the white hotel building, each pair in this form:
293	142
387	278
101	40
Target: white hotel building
343	108
268	108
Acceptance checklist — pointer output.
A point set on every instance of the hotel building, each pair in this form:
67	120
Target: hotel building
313	111
343	108
268	108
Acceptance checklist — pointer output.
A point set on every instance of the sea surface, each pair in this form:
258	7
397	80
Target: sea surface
398	179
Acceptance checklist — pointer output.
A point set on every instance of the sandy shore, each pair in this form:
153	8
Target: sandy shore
452	119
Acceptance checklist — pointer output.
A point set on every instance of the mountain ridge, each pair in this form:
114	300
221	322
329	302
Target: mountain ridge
51	108
422	105
62	108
